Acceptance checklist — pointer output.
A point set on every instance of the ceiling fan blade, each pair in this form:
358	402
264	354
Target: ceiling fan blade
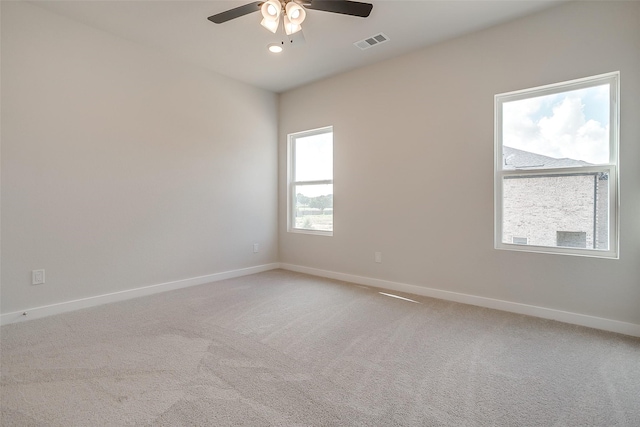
345	7
235	12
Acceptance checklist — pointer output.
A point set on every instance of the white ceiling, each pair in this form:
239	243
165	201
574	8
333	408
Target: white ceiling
238	48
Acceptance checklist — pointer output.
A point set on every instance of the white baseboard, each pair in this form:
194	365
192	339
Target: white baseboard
63	307
513	307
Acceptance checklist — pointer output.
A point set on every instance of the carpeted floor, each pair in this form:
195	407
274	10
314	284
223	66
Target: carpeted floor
287	349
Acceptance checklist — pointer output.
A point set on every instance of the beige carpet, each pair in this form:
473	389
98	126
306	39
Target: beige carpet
281	348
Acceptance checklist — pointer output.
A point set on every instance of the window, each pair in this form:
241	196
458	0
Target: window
556	168
310	200
519	240
572	239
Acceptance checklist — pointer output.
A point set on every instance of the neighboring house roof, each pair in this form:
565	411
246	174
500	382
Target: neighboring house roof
519	159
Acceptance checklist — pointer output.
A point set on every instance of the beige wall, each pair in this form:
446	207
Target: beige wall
414	144
122	169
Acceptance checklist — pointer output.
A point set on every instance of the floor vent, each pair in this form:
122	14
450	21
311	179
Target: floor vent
372	41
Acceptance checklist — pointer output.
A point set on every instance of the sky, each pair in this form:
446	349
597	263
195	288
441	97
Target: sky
573	124
314	161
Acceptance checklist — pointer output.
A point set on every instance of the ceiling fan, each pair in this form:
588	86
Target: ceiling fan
292	12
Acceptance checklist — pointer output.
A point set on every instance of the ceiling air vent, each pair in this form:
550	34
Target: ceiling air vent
372	41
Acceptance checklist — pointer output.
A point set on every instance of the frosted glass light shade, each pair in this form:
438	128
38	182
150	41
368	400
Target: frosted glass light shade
290	27
271	10
270	25
295	13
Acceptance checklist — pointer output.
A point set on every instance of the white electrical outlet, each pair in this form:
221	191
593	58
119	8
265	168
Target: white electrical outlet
37	277
377	256
256	248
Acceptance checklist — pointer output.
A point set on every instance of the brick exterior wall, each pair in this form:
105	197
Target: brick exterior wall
537	208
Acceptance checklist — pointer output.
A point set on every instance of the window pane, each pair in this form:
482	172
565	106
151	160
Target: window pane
559	130
572	239
569	210
314	157
314	207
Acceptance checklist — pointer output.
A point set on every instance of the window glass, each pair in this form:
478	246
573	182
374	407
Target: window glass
310	200
541	206
556	168
314	157
571	125
314	207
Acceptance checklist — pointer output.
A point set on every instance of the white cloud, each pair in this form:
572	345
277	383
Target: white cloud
556	126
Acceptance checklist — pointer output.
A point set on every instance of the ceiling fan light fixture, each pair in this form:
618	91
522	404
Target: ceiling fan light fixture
271	10
290	27
295	13
270	25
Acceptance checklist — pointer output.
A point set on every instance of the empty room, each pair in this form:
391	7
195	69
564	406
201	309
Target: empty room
320	213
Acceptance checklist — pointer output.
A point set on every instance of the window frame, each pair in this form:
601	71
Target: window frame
291	184
612	168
